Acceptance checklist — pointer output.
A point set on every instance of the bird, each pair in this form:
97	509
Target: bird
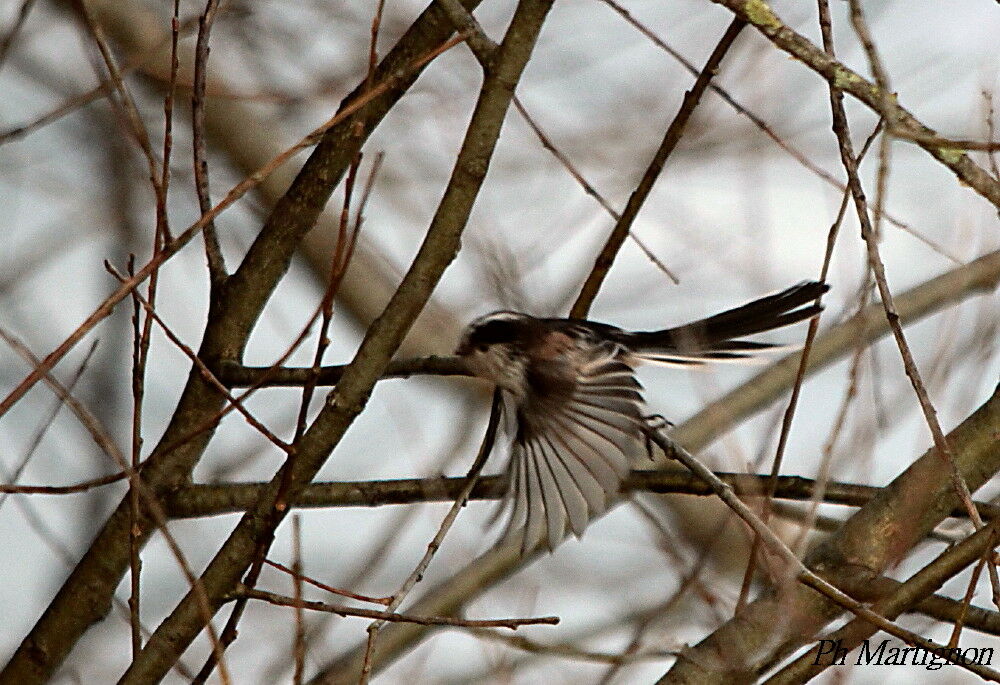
579	418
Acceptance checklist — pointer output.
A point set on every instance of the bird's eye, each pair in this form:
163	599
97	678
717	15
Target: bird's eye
482	347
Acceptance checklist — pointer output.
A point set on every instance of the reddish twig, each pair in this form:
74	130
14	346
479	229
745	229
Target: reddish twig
91	423
153	505
329	588
206	373
65	489
36	440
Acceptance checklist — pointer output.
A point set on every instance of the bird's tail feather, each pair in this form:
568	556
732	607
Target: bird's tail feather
716	338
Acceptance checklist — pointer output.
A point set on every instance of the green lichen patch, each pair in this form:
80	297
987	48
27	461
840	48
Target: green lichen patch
950	155
760	14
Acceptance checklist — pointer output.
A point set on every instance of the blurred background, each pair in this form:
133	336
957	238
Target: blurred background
734	216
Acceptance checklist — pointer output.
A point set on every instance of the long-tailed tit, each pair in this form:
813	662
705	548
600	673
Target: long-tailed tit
580	417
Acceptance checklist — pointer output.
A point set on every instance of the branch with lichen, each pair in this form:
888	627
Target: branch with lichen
764	19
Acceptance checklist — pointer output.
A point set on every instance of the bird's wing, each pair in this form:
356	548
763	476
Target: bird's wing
574	445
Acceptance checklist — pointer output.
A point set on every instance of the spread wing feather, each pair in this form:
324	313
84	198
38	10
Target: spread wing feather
572	450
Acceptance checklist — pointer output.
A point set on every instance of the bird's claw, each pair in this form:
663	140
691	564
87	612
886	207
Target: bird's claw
654	424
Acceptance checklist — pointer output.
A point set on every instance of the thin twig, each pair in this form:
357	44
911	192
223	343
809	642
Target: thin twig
970	590
589	189
87	419
213	252
942	141
299	644
235	402
140	346
839	421
393	617
569	651
800	375
13	475
75	102
768	131
842	131
162	224
138	127
71	105
153	505
882	81
483	47
489	439
328	588
338	267
83	486
635	202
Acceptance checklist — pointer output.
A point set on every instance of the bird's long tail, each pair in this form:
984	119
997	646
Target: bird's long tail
717	338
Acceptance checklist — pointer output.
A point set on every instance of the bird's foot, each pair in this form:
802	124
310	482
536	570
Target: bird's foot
654	424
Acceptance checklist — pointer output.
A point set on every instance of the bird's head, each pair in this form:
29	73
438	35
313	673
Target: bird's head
493	347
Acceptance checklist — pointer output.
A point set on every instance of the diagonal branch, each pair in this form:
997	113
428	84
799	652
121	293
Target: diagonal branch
763	18
635	202
869	235
794	567
928	579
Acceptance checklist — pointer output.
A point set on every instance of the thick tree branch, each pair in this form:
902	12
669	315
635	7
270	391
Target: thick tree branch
194	501
793	577
903	596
